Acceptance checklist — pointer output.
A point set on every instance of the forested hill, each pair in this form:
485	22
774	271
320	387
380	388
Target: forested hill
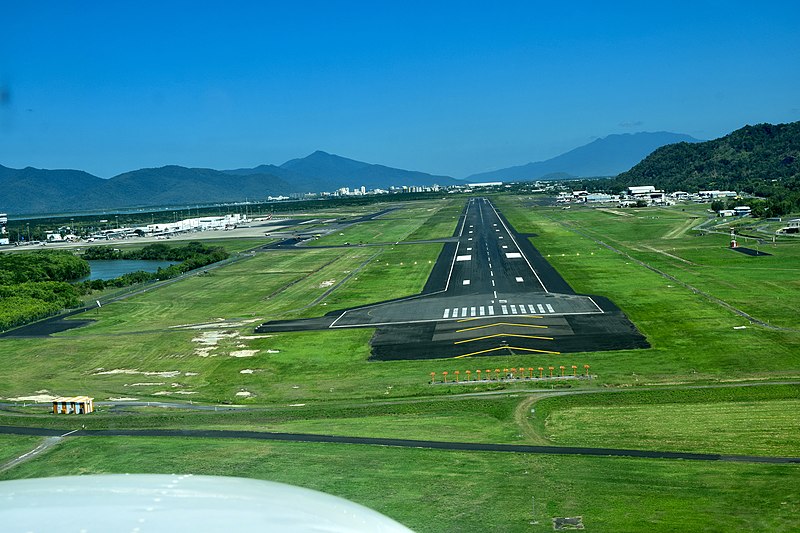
763	159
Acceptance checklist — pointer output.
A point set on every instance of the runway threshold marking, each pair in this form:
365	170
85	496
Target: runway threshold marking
506	348
504	335
500	324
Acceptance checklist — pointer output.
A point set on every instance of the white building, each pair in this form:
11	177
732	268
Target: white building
640	190
225	222
647	193
711	195
792	226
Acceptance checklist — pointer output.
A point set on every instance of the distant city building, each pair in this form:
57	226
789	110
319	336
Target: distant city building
485	184
3	231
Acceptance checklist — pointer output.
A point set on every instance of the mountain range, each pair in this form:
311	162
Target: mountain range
37	191
33	191
602	157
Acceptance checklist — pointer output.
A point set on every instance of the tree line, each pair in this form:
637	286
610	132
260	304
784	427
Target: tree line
188	257
35	285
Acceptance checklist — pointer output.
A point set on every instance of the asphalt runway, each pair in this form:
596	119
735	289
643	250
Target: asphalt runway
400	443
490	293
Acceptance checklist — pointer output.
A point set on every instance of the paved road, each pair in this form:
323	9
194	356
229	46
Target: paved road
490	293
402	443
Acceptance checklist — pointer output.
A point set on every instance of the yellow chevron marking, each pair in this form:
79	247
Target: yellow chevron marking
504	335
507	348
502	324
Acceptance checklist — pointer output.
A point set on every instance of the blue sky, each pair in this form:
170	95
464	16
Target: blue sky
444	87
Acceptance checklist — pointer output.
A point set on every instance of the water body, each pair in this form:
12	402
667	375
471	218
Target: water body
117	267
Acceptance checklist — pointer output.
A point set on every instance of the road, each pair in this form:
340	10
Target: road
402	443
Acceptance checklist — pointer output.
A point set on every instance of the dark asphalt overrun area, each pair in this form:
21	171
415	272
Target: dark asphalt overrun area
401	443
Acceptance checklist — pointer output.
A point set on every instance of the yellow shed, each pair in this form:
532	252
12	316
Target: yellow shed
78	405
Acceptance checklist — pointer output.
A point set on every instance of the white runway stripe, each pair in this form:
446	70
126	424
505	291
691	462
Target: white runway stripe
550	308
491	309
541	308
504	309
471	311
481	311
513	309
531	308
446	313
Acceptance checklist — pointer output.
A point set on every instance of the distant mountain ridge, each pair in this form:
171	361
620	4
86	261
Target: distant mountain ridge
602	157
33	191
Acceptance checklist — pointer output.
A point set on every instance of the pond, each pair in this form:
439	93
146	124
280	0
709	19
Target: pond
115	268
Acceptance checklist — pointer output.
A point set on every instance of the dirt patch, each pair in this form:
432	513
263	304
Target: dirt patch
244	394
168	392
209	341
122	399
166	374
327	283
244	353
34	398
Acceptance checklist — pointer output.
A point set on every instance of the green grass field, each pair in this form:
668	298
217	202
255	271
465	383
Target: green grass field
730	420
430	490
193	340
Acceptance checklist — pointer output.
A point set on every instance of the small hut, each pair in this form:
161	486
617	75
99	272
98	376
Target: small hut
79	405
